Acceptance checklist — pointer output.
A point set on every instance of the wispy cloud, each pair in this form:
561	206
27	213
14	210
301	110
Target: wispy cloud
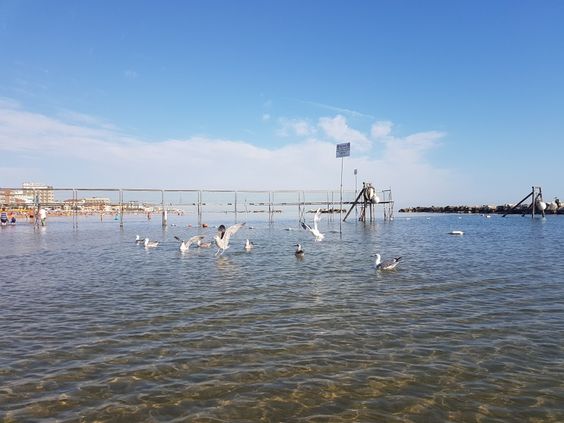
291	127
103	155
336	109
381	129
84	119
337	129
410	149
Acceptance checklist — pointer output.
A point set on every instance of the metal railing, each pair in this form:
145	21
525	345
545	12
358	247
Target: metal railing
124	200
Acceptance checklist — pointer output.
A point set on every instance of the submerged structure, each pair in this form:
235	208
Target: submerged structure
537	203
367	198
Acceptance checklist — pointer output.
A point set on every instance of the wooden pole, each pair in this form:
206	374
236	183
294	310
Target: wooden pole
354	203
121	208
235	206
200	208
518	204
533	204
540	196
164	217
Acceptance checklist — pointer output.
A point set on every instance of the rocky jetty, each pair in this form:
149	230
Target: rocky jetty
485	209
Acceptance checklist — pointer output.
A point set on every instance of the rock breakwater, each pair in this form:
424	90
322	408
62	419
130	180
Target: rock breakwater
484	209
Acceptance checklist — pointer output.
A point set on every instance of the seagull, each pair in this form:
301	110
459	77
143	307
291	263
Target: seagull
150	244
139	240
386	265
185	245
249	245
314	231
203	244
223	235
299	251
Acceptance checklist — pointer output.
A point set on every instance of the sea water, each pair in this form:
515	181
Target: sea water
94	327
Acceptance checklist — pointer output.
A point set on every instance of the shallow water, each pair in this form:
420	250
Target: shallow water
468	328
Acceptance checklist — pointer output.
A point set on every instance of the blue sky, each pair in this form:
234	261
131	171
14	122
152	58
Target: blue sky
446	102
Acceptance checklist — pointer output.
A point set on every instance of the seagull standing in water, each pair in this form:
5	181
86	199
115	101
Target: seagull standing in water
185	245
150	244
223	235
386	265
314	231
248	245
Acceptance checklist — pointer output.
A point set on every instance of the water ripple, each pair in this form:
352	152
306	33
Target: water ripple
96	328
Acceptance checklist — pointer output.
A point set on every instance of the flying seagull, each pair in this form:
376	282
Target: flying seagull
185	245
386	265
314	231
223	235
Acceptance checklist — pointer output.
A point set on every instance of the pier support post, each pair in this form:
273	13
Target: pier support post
534	203
164	214
269	207
200	208
272	210
535	194
74	208
354	204
235	206
121	208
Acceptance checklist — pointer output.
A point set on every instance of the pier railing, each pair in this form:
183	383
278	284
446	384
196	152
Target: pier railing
121	201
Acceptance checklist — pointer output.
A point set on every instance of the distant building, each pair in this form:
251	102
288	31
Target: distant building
5	196
45	193
95	202
89	204
15	198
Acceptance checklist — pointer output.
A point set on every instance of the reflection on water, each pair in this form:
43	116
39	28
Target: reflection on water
95	327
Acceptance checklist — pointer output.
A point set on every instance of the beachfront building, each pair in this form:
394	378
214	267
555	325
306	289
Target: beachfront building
94	202
87	204
15	198
45	193
5	196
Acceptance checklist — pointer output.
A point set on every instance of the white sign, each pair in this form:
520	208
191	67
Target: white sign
344	150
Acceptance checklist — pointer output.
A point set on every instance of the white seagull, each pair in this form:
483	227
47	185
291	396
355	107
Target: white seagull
249	245
314	231
139	240
386	265
150	244
223	235
185	245
299	251
203	244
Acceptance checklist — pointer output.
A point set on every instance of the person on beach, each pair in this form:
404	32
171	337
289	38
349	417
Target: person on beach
13	220
43	216
3	217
